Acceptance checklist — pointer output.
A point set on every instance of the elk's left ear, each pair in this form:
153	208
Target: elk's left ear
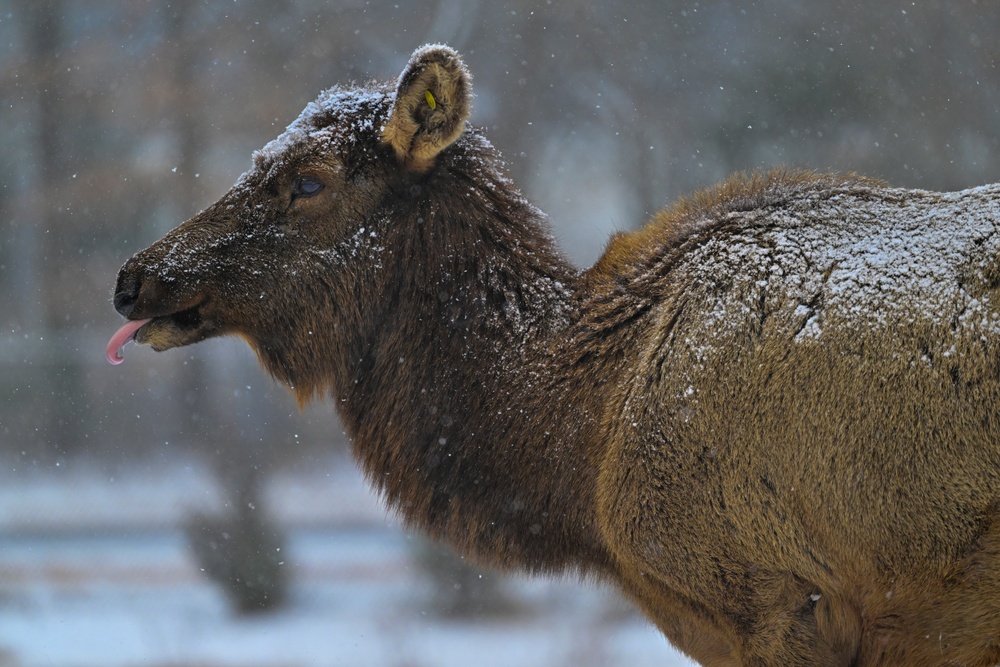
433	98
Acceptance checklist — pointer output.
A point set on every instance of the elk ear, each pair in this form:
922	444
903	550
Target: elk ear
433	97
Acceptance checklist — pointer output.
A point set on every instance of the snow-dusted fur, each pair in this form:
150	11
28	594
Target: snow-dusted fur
769	417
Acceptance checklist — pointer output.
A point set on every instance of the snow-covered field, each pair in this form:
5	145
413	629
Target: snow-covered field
95	571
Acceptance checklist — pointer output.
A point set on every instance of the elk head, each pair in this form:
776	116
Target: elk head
298	245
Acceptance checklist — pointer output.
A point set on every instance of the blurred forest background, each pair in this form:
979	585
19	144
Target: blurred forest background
121	119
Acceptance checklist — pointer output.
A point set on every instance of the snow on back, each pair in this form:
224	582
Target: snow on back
855	260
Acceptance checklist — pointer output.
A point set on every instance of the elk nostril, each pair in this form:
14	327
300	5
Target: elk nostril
126	295
125	302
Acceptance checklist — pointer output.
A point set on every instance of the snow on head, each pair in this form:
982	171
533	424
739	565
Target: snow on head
340	119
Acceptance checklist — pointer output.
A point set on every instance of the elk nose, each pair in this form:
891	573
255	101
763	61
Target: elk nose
126	293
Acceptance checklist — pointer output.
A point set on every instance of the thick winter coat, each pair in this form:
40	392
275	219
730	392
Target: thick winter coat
769	416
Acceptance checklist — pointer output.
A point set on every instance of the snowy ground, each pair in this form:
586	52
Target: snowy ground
94	570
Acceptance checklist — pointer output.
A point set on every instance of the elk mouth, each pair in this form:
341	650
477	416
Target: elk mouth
162	332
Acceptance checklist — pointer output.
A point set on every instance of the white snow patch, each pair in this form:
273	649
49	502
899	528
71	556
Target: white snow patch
94	571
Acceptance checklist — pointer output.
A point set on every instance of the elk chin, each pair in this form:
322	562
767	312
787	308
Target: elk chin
184	327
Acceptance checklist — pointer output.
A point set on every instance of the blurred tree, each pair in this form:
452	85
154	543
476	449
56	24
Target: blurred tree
241	549
59	382
459	589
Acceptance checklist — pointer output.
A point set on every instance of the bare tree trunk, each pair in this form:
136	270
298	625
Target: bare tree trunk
43	23
40	251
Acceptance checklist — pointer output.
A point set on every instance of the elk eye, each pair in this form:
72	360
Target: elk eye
306	186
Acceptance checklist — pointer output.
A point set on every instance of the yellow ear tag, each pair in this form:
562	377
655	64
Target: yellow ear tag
431	102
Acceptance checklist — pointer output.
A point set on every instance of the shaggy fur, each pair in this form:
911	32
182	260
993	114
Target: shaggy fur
769	417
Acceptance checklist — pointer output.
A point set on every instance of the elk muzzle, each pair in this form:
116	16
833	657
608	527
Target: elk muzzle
160	313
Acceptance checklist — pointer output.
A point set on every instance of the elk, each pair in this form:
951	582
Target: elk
768	417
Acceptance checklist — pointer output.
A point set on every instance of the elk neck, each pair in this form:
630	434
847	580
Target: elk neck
463	408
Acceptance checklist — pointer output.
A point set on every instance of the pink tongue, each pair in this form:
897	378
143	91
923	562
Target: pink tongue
122	337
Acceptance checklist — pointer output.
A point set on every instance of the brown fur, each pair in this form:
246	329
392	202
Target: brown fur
769	417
